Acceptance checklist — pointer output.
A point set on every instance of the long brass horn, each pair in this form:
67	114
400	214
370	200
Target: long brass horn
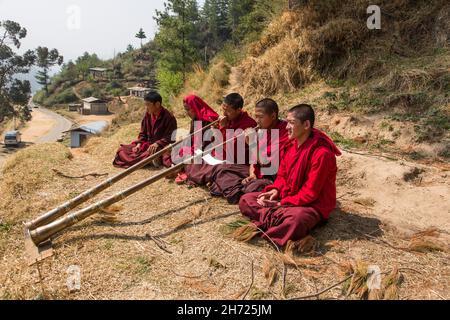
43	233
69	205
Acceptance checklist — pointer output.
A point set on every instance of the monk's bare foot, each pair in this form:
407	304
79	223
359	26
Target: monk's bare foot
173	175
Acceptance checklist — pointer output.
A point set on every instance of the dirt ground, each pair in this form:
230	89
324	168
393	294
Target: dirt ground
169	241
93	118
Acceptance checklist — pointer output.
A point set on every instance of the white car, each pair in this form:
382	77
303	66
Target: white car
13	138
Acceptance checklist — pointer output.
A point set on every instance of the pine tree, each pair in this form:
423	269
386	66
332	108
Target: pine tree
46	59
178	35
141	35
14	92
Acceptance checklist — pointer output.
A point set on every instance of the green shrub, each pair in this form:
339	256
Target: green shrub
170	84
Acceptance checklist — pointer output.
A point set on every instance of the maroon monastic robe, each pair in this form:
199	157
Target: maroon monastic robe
227	179
201	174
154	129
306	182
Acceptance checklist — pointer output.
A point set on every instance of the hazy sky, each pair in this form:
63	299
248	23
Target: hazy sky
76	26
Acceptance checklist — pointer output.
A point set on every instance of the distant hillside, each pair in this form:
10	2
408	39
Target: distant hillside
75	81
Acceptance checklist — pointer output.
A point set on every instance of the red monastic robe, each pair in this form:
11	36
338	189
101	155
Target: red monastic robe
204	114
227	179
201	174
154	129
306	181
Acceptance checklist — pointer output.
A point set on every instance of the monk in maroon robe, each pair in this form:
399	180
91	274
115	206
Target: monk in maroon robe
304	193
234	118
202	115
157	128
234	180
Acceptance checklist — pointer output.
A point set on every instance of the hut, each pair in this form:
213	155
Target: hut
94	106
139	92
98	73
74	107
80	134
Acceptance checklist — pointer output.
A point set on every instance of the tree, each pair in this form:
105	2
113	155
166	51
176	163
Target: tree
215	27
46	59
14	93
141	35
238	9
177	38
248	18
130	48
85	62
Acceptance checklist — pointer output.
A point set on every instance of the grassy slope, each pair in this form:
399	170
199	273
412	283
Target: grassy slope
119	261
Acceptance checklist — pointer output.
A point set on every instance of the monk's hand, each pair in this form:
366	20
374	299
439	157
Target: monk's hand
268	198
153	148
246	181
223	121
271	203
249	132
136	148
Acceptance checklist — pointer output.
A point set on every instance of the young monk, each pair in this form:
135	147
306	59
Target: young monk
234	118
156	133
304	193
232	181
199	111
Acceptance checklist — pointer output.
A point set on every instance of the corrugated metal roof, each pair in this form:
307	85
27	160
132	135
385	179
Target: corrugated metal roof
98	69
139	89
92	99
92	127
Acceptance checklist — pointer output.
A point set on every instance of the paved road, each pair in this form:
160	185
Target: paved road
55	133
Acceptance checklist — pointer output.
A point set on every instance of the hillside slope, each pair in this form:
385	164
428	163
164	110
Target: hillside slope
382	96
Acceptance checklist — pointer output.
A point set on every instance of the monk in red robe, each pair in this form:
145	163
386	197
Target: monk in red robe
234	118
202	115
232	181
157	128
304	193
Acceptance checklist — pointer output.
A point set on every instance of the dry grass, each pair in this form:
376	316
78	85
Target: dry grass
209	85
312	43
170	242
118	261
133	113
195	258
24	176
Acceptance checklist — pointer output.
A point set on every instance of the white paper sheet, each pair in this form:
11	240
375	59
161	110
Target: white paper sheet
209	159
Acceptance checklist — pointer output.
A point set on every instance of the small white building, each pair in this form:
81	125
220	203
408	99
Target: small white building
94	105
80	134
74	107
98	72
139	92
